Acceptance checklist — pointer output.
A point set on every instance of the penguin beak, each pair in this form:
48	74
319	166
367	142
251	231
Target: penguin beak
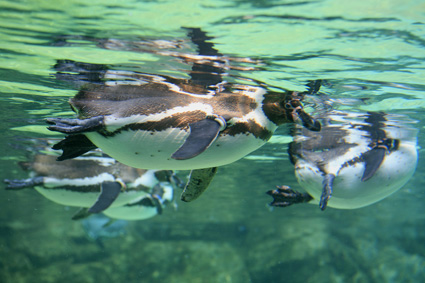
306	120
296	110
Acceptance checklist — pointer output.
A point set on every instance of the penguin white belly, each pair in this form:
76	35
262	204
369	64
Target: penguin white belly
134	211
349	192
310	178
138	212
61	191
153	150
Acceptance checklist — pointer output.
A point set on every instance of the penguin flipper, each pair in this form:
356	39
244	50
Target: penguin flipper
202	135
373	159
199	181
73	146
327	190
109	192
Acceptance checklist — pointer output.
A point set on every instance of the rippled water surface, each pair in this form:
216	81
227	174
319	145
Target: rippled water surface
371	54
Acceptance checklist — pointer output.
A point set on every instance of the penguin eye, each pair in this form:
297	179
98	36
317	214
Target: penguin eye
394	145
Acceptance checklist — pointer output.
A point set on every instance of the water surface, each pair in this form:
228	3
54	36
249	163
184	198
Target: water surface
370	50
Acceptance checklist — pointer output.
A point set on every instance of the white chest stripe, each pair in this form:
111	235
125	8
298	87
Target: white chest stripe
114	122
50	182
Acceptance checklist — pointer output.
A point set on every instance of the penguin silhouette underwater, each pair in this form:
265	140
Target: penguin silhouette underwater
357	159
98	183
161	122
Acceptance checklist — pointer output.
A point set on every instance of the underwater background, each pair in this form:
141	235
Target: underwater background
373	50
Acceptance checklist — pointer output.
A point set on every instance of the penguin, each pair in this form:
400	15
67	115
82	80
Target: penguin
357	159
97	183
160	122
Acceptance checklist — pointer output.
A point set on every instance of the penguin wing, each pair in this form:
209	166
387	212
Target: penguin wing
373	159
109	192
202	135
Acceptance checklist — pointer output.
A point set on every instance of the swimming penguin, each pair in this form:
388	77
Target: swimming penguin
162	122
98	183
145	206
356	160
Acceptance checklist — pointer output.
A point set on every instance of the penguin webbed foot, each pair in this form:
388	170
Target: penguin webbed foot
75	126
73	146
18	184
199	181
284	196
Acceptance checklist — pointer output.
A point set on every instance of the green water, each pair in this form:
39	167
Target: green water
365	49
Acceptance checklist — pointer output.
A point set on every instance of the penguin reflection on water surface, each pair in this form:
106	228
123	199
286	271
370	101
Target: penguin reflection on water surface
161	122
99	184
356	160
